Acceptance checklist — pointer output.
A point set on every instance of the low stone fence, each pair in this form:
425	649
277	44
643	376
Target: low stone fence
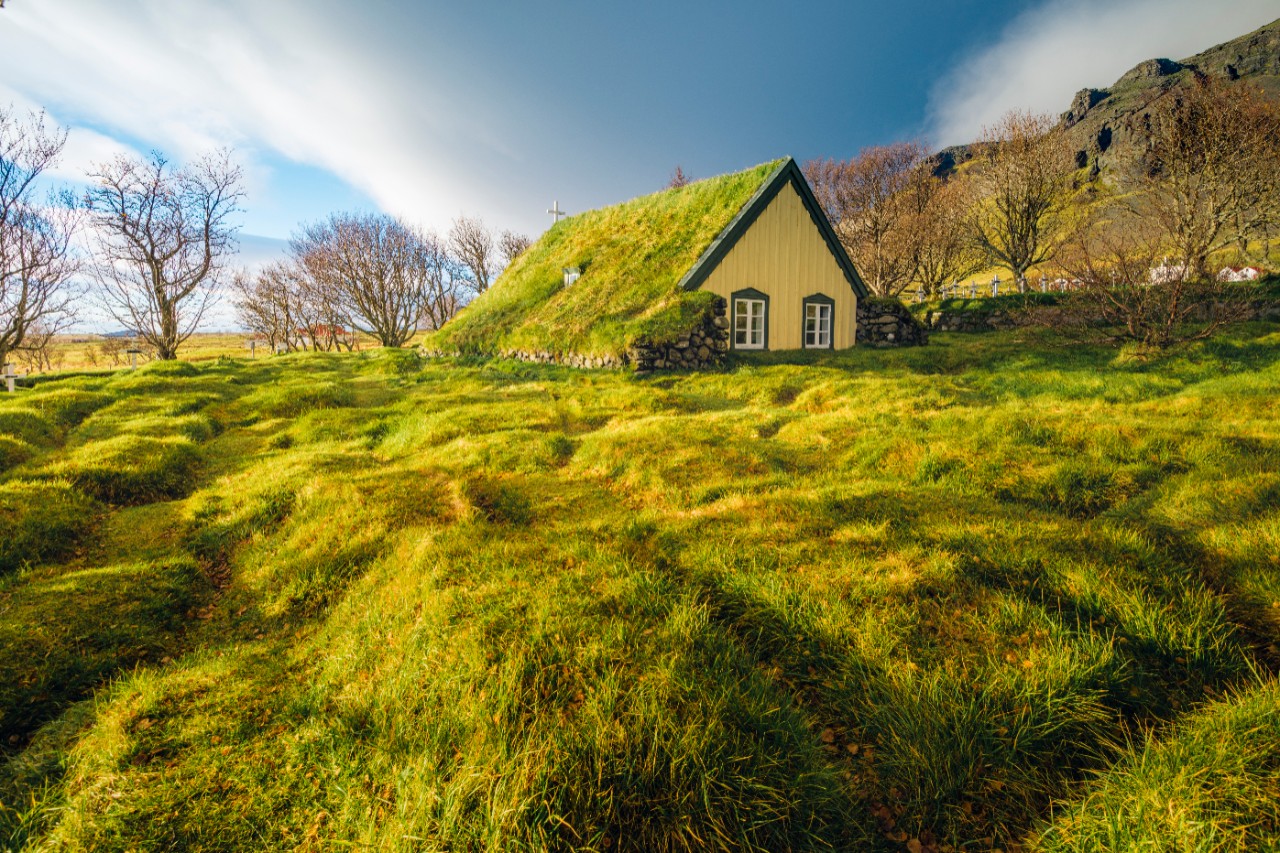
968	321
1000	319
888	323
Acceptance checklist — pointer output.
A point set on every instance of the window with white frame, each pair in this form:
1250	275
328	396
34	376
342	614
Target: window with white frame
748	323
817	325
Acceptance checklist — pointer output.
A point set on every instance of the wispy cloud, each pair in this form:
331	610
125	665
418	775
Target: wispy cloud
282	77
1047	54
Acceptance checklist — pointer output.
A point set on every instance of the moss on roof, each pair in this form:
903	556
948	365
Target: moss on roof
632	256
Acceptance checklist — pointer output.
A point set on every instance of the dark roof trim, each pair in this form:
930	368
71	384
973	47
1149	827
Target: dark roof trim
787	173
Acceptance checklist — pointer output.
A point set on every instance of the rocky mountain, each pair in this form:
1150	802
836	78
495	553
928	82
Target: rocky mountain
1106	126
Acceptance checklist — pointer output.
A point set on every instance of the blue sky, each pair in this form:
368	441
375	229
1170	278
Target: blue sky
429	110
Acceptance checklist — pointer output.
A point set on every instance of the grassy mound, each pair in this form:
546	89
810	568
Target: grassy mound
67	407
41	521
57	616
130	469
13	452
26	425
632	256
1213	784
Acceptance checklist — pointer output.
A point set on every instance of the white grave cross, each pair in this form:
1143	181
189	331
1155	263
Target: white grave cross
556	212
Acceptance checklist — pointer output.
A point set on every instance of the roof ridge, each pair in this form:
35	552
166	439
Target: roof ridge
788	172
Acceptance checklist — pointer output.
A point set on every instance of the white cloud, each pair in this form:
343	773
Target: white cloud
84	150
1047	54
284	76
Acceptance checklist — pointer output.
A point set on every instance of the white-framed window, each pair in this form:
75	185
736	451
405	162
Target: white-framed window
748	322
817	325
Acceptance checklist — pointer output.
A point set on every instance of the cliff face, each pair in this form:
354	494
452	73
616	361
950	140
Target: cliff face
1107	126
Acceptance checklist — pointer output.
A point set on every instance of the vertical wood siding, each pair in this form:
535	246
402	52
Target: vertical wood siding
783	254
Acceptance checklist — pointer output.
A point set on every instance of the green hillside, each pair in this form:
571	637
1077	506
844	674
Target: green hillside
993	593
632	256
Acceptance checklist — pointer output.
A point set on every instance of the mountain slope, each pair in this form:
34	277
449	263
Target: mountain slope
1106	125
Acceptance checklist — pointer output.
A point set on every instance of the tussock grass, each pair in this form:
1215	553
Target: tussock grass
13	452
41	521
26	425
989	593
1211	784
130	469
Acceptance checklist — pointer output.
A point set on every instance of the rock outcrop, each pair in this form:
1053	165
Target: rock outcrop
1108	128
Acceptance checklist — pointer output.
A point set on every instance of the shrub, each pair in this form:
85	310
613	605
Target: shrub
131	469
41	521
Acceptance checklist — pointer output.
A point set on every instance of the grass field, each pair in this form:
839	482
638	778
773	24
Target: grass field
991	593
86	352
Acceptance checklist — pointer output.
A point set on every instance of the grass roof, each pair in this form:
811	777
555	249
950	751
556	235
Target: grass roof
632	256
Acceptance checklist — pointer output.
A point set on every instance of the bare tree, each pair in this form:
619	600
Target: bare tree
1212	170
1123	296
37	261
939	212
267	302
471	243
866	200
512	245
39	352
1023	180
163	237
378	267
678	179
445	281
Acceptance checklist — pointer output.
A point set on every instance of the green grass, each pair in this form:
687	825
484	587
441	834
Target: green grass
632	256
994	592
1211	784
40	520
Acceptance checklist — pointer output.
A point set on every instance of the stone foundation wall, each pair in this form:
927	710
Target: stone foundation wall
704	347
887	323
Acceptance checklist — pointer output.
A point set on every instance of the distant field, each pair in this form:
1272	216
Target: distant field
87	352
995	593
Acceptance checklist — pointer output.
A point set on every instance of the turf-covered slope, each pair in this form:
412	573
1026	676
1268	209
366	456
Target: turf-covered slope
632	257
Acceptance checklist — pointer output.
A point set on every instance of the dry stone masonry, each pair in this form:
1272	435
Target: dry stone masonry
887	323
703	347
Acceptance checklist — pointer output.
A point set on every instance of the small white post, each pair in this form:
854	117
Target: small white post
9	377
133	359
995	285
